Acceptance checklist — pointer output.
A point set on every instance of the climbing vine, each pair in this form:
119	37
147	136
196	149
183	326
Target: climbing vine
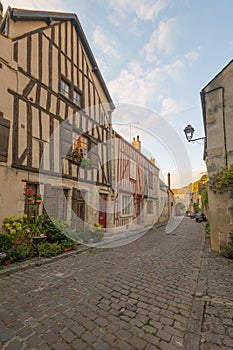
222	179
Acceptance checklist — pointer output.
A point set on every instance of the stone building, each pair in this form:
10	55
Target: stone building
217	109
136	183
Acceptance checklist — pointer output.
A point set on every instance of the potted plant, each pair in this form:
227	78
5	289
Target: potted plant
28	192
39	198
66	245
2	257
8	256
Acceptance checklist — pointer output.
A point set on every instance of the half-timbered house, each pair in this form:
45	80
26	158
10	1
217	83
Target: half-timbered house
136	183
55	118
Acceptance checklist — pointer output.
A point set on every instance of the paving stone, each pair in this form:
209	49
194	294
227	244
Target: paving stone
14	345
5	333
67	335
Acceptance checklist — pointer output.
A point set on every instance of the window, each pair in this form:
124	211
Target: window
64	88
126	205
80	146
150	180
77	98
149	207
4	138
133	172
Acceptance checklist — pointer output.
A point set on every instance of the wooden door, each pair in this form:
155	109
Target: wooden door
138	209
78	210
103	210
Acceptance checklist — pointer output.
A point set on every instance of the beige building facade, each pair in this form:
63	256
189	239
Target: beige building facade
56	137
217	108
49	80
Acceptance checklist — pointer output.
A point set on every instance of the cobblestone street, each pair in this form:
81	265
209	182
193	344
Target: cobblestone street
163	291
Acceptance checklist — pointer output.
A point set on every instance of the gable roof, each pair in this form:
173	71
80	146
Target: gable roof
48	16
217	75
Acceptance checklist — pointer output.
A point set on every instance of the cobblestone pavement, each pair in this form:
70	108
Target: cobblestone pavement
145	295
217	327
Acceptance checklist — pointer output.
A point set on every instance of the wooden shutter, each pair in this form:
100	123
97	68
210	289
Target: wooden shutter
66	139
4	138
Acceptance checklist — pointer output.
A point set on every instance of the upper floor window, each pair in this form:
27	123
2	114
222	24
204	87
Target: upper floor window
80	146
64	88
151	180
77	98
133	170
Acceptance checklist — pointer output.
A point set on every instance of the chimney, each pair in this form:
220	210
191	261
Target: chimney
169	180
137	143
1	11
152	160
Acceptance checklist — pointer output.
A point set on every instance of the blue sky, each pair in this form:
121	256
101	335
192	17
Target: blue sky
157	54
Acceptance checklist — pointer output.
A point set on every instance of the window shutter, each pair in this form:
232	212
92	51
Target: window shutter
4	138
66	139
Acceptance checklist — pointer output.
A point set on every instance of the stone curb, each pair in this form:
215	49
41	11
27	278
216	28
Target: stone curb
22	266
192	337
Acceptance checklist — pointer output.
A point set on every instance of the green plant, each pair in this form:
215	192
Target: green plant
46	249
196	207
86	163
222	179
55	230
20	252
5	242
207	228
35	230
227	249
67	243
91	234
15	224
204	198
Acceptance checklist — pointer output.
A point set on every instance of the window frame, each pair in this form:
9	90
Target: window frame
150	206
77	93
126	205
63	92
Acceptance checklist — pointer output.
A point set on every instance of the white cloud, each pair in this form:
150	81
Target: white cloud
169	107
142	9
162	40
136	85
193	55
175	70
56	5
105	43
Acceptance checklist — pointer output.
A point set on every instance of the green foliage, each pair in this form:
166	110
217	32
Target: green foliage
14	224
5	242
196	207
85	163
20	252
227	249
46	249
91	235
207	228
55	231
222	179
67	243
204	198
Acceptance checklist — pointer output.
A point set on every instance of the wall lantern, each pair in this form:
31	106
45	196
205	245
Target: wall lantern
189	131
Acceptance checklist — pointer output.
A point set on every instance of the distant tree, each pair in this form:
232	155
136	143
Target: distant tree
204	199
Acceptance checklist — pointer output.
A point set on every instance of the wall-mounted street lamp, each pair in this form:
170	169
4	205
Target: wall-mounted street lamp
189	131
